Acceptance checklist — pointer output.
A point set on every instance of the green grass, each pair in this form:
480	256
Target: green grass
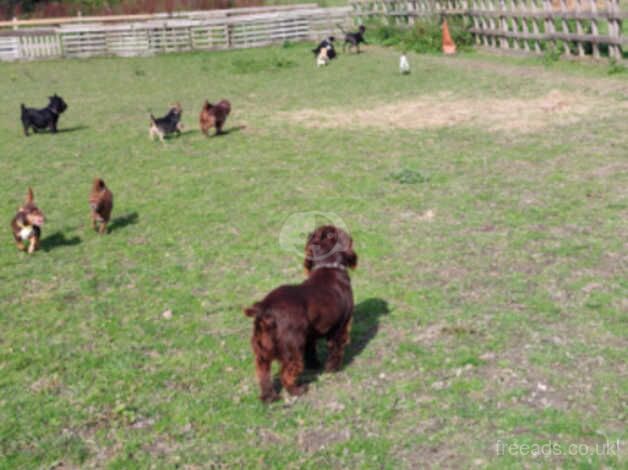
499	318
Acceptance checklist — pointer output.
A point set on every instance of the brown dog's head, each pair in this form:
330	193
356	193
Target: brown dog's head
207	105
32	213
329	245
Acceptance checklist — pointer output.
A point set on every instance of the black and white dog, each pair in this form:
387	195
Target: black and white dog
46	118
167	124
327	43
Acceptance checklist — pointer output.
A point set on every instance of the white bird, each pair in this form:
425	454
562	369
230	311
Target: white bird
404	65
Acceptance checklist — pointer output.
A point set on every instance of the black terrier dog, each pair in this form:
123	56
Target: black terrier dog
167	124
354	39
326	43
46	118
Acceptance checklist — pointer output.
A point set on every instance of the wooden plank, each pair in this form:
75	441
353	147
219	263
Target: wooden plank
153	16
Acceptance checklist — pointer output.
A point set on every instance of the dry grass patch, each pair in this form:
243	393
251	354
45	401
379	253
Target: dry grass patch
444	110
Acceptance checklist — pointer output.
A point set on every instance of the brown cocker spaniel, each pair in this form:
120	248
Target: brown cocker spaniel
291	318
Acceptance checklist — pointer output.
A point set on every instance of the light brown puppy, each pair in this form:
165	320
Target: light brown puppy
101	203
27	223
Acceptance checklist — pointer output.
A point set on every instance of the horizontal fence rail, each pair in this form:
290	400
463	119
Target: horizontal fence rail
150	35
583	27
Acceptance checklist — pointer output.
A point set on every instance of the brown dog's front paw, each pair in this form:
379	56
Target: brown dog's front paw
297	390
269	397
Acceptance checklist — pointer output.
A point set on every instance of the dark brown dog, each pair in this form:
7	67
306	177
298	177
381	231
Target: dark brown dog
27	223
101	203
214	115
291	318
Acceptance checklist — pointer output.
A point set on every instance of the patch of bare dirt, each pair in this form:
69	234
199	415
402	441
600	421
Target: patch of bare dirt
318	439
444	110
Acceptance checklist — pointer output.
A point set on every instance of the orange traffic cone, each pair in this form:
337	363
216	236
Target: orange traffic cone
449	47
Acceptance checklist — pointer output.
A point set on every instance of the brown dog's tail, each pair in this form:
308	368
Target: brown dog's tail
152	118
29	196
255	310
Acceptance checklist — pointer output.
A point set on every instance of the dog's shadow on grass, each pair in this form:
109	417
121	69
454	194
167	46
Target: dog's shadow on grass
123	221
182	135
71	129
230	131
366	318
57	240
365	326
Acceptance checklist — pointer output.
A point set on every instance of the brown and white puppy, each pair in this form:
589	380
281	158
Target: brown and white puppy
27	223
101	203
323	57
290	319
214	115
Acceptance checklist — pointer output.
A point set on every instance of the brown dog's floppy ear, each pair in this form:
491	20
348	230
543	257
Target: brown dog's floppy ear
350	256
351	259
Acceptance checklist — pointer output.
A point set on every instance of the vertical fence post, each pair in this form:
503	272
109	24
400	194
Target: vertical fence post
521	7
503	24
579	29
549	22
535	27
565	26
594	29
619	29
613	29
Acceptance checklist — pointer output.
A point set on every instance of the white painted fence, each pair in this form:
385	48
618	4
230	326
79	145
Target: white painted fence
153	34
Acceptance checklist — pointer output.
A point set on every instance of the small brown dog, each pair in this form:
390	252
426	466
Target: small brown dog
214	115
101	203
27	223
291	318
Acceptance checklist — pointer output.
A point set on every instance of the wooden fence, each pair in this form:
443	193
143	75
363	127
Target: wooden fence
150	34
578	27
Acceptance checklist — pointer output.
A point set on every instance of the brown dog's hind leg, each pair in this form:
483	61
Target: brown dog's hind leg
336	345
262	368
103	228
20	245
33	245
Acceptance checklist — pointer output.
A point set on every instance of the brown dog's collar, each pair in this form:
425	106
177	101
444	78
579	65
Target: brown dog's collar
342	267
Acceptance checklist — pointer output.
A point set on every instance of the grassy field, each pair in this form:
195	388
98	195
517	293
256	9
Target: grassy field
487	200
